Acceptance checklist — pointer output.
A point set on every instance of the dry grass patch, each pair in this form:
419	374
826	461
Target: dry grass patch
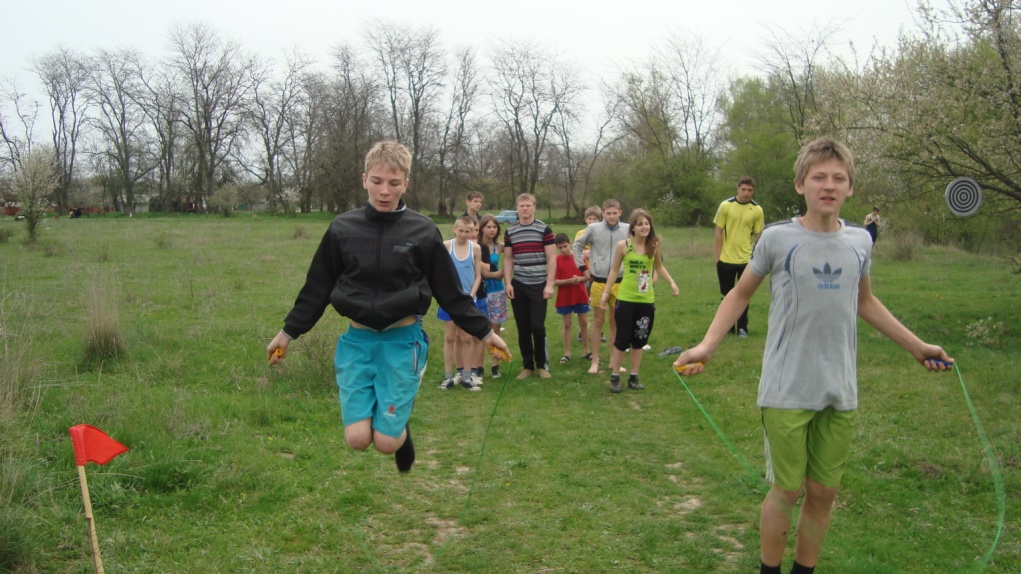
103	339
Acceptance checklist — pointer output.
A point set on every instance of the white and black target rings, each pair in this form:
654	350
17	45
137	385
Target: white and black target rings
963	196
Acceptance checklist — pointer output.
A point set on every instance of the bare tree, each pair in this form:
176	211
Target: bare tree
790	59
695	83
350	125
565	122
670	104
219	76
162	103
414	66
646	111
605	138
464	94
16	132
64	75
273	105
529	88
117	92
306	128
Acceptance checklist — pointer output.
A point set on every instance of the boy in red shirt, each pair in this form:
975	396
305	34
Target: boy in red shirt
572	296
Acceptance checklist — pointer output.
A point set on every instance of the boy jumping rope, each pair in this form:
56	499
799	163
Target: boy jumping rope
380	266
808	391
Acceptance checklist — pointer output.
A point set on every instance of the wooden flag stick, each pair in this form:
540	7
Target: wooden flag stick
97	560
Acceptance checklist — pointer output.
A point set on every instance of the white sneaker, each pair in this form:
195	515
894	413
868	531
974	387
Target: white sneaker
476	380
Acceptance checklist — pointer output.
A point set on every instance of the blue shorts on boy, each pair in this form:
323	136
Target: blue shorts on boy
378	375
480	304
579	309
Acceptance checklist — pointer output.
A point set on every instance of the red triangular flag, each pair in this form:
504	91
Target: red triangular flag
93	445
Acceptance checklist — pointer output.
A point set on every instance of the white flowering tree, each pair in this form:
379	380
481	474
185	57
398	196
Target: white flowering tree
34	183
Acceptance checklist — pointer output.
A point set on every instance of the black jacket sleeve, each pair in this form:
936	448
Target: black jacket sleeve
314	296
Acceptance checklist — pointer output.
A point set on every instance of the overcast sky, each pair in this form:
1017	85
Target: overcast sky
601	37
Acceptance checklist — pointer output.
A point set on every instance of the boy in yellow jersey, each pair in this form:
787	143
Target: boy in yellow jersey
738	224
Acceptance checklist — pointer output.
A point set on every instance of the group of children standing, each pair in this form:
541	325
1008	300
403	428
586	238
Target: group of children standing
478	255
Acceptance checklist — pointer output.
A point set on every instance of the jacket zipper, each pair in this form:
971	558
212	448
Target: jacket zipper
379	259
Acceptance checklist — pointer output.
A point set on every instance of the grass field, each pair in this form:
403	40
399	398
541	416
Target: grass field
235	467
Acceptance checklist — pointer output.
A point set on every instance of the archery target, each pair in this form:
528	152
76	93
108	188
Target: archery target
963	196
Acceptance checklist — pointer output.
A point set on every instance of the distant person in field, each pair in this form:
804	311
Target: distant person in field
529	270
738	224
872	224
820	285
602	238
380	266
473	205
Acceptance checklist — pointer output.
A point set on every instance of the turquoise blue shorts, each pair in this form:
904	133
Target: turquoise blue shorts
378	374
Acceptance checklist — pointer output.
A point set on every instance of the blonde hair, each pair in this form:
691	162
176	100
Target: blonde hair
465	219
819	150
594	211
389	154
527	197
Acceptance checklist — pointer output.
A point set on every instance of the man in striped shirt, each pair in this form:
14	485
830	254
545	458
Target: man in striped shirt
531	266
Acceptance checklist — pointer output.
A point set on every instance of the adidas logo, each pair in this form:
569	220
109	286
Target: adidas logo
828	277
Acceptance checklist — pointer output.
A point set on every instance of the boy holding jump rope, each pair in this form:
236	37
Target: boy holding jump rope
380	266
808	391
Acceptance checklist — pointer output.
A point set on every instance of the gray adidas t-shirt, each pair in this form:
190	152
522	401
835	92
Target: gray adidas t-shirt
812	343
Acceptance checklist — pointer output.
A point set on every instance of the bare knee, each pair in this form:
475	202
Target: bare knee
388	444
359	434
818	495
358	441
781	499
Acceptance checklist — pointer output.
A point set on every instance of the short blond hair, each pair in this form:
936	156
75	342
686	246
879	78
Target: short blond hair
594	211
527	197
391	155
823	149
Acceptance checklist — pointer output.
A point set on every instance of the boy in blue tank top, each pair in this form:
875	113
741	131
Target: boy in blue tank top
457	348
819	269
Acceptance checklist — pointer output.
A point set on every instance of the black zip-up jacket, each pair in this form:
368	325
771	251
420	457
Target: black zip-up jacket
377	268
